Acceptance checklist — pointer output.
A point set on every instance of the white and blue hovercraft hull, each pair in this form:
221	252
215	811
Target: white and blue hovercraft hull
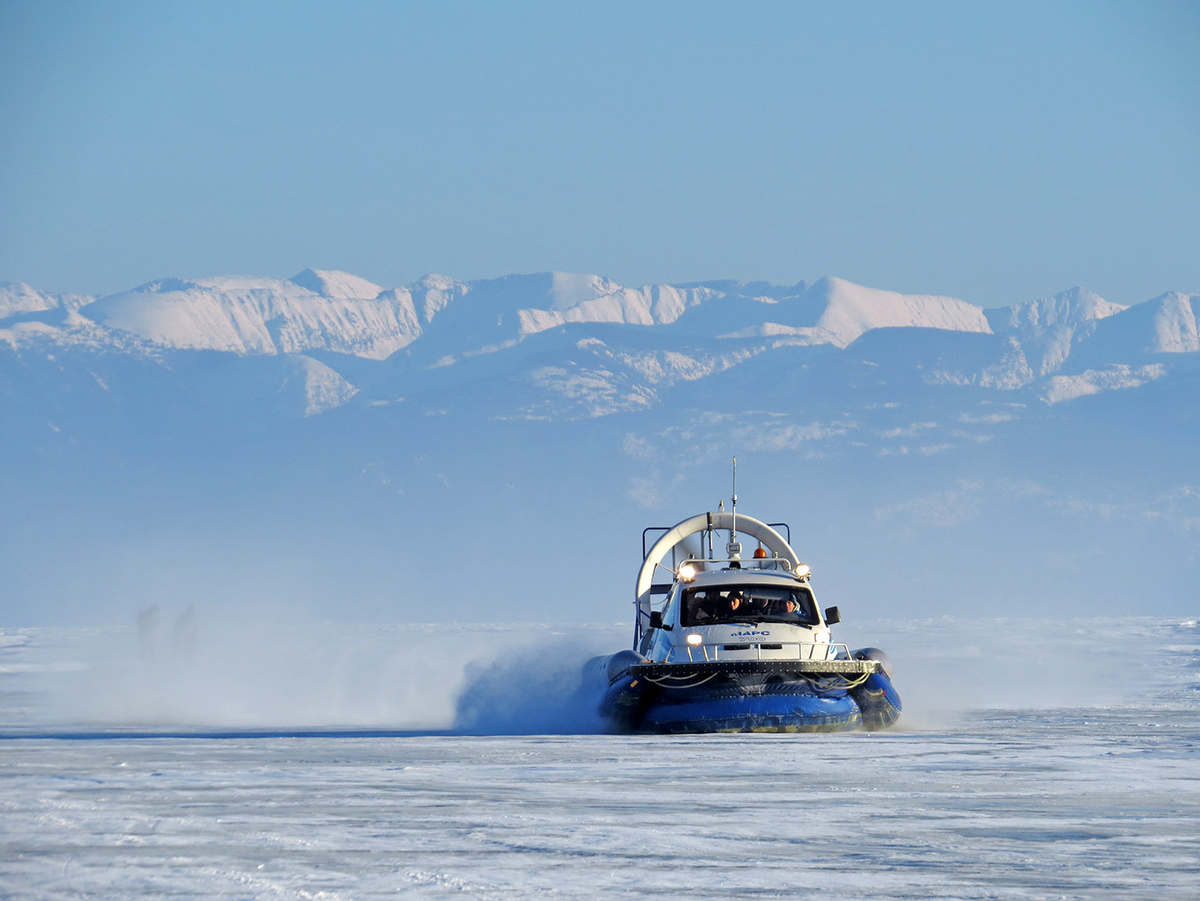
744	696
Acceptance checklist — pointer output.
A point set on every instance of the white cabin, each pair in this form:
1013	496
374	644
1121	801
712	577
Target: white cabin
762	608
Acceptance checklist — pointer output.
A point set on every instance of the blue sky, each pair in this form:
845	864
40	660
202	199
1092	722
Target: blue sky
992	151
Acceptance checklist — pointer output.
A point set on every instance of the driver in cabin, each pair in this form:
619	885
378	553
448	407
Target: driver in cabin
764	606
711	605
736	603
785	607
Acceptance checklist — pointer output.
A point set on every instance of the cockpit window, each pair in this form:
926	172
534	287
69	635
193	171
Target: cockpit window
749	603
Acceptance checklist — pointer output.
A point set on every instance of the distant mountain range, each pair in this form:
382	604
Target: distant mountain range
576	346
297	430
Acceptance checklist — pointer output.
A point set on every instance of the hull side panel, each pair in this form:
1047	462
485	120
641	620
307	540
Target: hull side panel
731	703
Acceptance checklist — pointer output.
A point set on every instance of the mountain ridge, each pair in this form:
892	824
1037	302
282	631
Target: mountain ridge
1069	345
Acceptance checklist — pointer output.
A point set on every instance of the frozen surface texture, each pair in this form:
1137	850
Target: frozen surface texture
1098	801
1071	804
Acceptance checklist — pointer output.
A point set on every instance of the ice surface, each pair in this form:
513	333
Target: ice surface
1011	806
1096	800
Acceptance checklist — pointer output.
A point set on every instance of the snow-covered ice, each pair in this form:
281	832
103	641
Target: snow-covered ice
1072	795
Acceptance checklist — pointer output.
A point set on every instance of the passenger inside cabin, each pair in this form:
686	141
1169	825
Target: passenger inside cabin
706	606
713	605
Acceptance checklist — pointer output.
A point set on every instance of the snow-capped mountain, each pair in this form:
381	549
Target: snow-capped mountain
246	421
251	316
669	334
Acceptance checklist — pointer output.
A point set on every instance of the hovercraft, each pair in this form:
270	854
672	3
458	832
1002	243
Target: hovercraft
733	645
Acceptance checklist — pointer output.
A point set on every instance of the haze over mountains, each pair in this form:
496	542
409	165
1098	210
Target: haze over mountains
292	444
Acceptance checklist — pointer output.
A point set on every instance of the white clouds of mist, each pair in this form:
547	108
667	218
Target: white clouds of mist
254	675
248	675
942	509
489	679
524	693
950	665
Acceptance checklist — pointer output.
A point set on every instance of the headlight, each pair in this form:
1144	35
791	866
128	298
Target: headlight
687	572
694	638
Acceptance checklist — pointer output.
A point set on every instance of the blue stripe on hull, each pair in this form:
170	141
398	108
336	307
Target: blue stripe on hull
754	713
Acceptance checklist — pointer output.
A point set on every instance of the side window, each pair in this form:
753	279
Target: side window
808	607
668	609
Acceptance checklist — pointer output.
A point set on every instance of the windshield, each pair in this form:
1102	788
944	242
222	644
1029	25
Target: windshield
749	603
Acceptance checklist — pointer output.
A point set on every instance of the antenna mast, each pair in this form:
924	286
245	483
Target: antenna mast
734	548
731	535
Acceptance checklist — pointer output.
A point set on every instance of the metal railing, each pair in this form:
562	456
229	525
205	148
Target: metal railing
711	652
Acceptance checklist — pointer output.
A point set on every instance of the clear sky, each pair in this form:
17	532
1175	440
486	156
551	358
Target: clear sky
992	151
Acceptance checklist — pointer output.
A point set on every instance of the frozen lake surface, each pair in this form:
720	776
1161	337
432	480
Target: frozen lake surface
1002	801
